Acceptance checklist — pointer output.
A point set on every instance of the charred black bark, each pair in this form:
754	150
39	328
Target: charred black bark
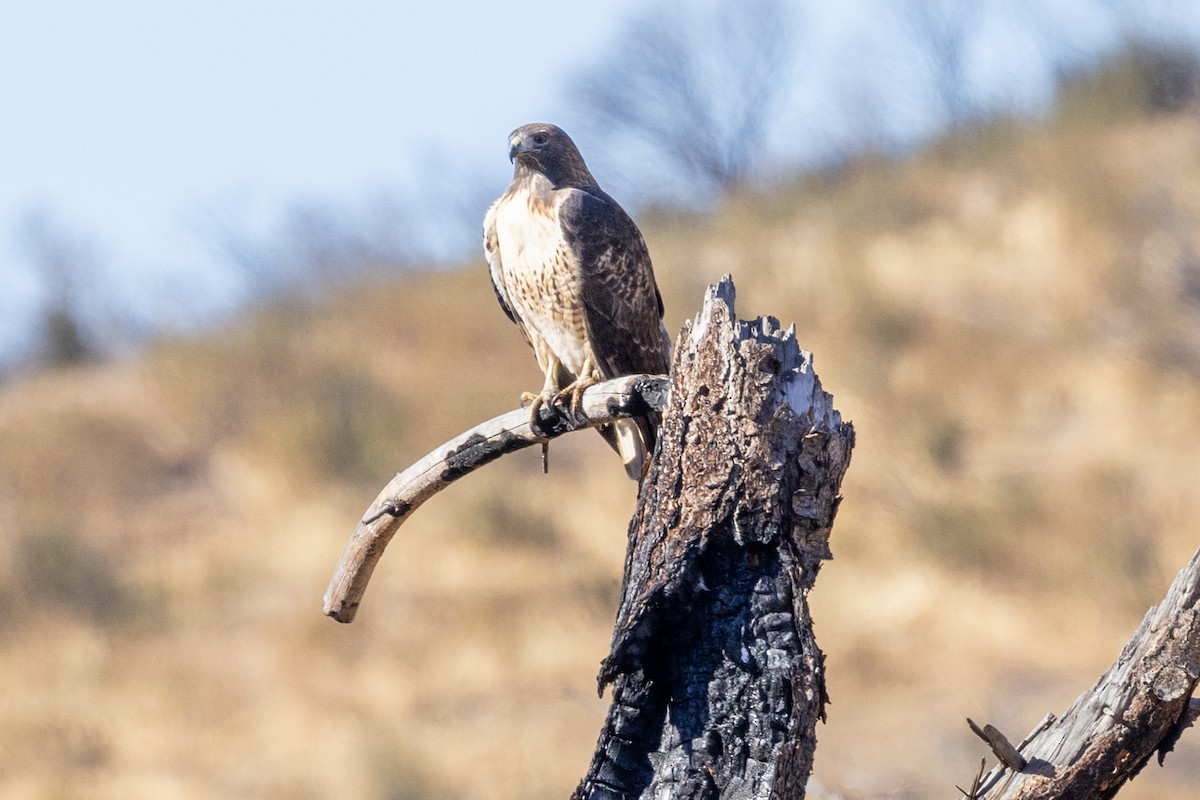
717	679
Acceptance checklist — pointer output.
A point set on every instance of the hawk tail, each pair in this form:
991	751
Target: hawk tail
633	439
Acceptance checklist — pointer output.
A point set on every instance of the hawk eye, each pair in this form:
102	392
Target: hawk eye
540	138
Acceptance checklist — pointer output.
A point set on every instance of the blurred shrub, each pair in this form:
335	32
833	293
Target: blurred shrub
63	341
110	463
397	771
945	441
1171	77
969	536
56	566
1144	77
501	519
285	386
342	425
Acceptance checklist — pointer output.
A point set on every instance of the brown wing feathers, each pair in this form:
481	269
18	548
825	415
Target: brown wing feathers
622	307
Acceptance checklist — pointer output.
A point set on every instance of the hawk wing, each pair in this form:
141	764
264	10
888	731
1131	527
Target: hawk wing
621	304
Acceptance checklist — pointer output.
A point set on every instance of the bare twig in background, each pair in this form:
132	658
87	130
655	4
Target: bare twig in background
696	84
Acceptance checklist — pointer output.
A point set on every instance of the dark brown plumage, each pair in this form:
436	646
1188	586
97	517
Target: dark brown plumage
571	269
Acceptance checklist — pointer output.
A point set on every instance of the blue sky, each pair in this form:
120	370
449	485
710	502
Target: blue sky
135	124
127	113
131	122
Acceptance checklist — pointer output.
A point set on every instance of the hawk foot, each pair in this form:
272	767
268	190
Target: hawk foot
535	403
573	394
568	401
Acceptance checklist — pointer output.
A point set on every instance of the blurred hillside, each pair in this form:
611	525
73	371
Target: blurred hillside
1011	318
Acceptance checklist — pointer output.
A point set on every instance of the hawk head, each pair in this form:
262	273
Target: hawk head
546	149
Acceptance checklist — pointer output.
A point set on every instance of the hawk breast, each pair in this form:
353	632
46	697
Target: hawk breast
541	279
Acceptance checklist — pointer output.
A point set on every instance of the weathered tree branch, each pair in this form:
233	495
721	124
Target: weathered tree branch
717	679
631	396
1137	708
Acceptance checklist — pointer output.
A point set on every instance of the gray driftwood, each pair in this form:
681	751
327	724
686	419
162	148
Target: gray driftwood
717	679
1137	708
630	396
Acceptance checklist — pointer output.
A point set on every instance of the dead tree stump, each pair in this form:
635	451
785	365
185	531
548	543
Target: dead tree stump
717	679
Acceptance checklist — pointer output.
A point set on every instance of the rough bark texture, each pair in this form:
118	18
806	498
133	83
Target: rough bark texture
1137	708
717	679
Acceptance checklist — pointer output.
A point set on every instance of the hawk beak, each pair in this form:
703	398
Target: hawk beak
514	147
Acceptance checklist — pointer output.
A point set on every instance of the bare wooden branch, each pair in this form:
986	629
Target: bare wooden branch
1137	708
630	396
718	683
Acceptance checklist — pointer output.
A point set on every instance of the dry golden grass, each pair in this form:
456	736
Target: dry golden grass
1016	335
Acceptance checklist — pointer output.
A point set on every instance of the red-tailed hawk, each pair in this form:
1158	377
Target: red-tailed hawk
571	269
